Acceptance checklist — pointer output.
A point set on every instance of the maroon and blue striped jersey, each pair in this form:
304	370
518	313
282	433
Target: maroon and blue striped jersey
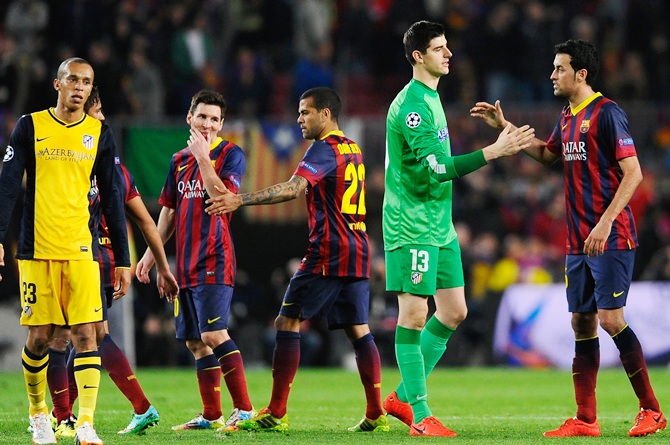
591	139
338	241
205	251
105	253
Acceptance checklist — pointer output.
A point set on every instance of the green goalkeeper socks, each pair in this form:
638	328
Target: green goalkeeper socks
434	338
410	363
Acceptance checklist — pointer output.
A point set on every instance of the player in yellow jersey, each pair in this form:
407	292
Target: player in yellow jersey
60	150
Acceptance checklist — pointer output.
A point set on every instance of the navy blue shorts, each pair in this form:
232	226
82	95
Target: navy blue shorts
107	300
343	301
600	282
203	308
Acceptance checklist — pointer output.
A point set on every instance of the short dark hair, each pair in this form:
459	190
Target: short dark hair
583	55
324	97
93	99
208	97
418	37
66	62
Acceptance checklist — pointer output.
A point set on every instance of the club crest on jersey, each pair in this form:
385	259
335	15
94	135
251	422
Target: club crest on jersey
9	154
89	141
585	125
416	277
413	119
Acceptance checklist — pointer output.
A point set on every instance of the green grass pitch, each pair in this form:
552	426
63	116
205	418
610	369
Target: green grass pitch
485	406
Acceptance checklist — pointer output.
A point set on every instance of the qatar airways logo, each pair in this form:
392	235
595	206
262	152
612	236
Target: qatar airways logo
191	189
574	151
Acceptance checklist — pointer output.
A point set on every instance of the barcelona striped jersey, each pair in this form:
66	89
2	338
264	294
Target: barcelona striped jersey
105	254
338	241
591	139
205	251
60	160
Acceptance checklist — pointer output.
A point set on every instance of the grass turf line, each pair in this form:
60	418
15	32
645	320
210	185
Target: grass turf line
483	405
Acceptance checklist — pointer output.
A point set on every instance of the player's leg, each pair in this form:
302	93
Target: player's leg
412	273
306	296
59	385
119	370
207	368
208	373
83	310
35	361
285	362
40	305
350	311
369	370
450	306
412	311
586	361
613	273
212	304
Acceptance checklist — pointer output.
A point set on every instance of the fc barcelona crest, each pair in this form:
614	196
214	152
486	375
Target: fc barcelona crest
584	127
416	277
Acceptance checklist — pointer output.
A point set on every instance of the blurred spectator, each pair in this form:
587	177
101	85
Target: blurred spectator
631	81
192	51
14	81
108	72
68	17
314	70
523	262
354	38
658	268
248	86
25	21
143	85
539	34
499	38
313	22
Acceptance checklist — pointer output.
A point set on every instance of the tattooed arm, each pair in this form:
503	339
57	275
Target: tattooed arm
285	191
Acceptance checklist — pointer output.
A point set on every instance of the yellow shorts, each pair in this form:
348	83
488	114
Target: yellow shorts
59	292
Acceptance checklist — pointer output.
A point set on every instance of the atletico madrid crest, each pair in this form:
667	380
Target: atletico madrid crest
416	277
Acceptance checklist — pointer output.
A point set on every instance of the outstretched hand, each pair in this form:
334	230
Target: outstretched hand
511	142
226	202
491	114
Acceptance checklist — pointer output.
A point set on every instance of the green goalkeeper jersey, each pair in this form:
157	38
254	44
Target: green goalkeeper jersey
418	195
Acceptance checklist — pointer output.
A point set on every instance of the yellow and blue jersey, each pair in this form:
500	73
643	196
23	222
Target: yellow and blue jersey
60	160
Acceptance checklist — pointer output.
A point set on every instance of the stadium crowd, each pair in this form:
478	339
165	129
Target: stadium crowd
151	56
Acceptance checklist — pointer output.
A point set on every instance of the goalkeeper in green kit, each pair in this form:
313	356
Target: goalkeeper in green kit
423	257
